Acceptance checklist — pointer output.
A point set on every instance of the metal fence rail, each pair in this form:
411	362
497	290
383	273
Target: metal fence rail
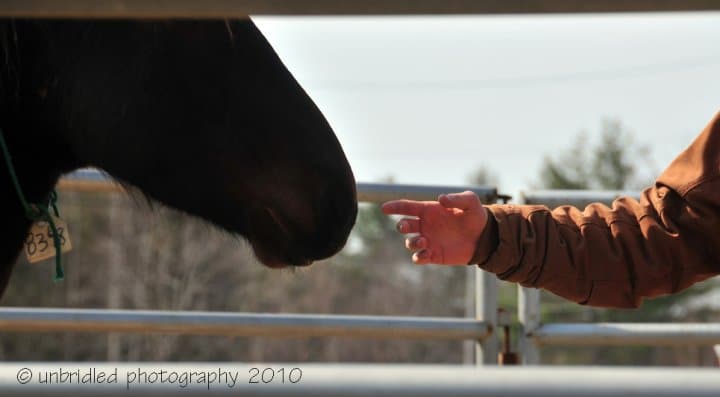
621	334
239	324
316	380
240	8
91	180
379	193
576	198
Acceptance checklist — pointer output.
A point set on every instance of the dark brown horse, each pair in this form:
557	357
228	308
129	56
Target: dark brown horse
200	116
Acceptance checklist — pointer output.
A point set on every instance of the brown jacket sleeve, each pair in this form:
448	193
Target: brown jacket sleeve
614	257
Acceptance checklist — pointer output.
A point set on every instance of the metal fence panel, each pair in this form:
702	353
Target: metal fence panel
241	8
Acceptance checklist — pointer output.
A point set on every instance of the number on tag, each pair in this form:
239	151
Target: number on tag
39	242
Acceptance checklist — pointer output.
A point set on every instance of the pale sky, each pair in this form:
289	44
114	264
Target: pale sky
429	99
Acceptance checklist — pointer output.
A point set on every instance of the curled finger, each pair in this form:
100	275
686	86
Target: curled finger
408	225
422	257
416	243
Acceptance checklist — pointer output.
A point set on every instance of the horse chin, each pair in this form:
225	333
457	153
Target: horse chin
274	260
268	259
270	239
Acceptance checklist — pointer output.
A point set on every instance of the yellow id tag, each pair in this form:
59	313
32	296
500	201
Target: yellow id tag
39	242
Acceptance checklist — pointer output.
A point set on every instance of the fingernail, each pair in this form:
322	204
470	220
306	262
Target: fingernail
401	227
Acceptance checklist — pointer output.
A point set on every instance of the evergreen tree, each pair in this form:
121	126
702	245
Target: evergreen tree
611	164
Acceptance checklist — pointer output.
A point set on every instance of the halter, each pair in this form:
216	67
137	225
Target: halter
36	212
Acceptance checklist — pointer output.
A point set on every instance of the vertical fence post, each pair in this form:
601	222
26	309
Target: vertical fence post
529	318
469	345
486	310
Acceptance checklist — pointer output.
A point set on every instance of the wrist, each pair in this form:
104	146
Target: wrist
488	241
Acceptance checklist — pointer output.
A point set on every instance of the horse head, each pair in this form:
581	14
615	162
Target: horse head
201	116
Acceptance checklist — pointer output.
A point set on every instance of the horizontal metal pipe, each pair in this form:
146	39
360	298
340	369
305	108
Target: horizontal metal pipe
89	180
240	8
323	380
622	334
239	324
576	198
89	186
379	193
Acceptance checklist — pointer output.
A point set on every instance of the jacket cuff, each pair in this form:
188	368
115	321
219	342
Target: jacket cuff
488	241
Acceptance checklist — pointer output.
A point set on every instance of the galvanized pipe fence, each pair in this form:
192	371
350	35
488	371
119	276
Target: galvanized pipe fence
482	328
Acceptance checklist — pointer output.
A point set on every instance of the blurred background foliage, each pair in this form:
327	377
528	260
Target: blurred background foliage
132	254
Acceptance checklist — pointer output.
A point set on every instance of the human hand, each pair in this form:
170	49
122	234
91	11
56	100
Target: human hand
448	229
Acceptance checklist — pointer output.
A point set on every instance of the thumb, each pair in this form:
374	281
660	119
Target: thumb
466	201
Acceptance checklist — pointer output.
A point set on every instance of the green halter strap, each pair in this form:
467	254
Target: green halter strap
36	212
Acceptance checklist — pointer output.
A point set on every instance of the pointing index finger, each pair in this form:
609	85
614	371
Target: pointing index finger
403	207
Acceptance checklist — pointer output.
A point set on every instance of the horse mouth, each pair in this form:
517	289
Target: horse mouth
276	262
272	241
